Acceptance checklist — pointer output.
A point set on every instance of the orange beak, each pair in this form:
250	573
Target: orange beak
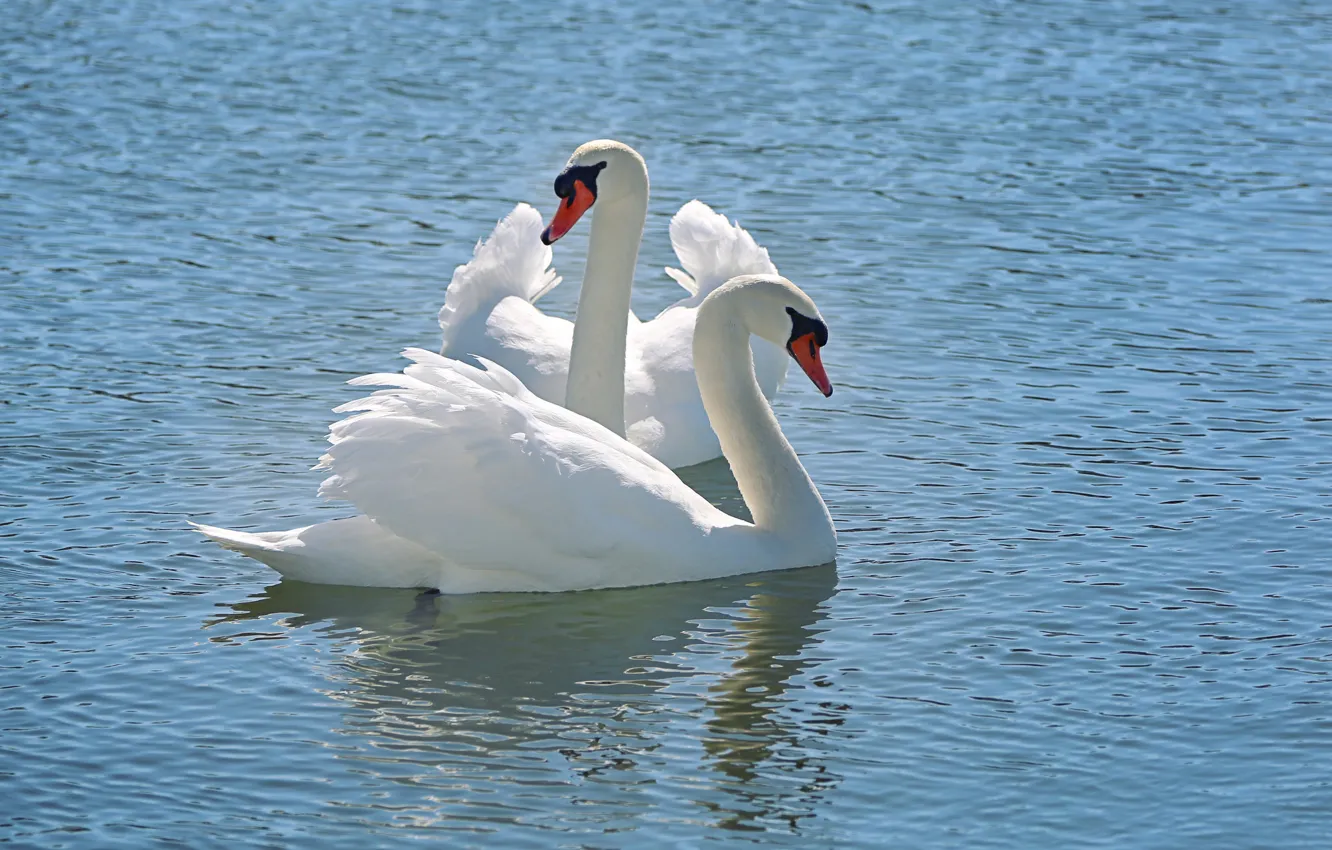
805	350
572	209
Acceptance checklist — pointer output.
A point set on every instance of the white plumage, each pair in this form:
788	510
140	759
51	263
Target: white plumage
488	312
468	482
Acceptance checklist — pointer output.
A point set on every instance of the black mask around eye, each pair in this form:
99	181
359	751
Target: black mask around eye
802	325
586	174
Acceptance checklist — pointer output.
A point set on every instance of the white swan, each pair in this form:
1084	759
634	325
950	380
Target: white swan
471	483
489	312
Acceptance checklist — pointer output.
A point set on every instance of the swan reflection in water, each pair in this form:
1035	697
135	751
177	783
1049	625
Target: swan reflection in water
492	707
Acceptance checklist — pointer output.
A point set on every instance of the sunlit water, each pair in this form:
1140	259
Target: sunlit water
1075	261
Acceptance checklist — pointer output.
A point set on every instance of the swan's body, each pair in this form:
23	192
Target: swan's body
489	313
469	482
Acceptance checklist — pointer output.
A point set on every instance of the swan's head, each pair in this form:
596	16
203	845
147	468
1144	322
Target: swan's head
775	309
603	171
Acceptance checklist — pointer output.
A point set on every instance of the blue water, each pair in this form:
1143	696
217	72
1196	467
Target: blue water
1075	261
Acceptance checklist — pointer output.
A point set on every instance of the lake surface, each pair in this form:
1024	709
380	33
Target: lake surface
1076	263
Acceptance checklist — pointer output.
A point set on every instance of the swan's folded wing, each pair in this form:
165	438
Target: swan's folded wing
713	250
512	261
468	463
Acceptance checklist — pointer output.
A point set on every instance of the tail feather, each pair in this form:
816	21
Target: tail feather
513	261
245	542
713	250
352	551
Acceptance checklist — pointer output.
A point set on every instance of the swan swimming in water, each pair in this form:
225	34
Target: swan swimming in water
468	482
489	309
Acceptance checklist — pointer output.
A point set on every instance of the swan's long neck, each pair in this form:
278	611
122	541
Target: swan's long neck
596	360
778	491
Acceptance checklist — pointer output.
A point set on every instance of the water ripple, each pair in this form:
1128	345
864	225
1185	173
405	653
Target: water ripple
1073	257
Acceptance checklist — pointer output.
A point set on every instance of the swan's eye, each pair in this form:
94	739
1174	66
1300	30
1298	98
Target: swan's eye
802	325
563	185
585	174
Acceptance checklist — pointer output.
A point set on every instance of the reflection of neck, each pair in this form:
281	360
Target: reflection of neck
776	629
596	361
779	493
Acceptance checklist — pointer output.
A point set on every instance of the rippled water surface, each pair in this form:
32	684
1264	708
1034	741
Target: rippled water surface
1076	262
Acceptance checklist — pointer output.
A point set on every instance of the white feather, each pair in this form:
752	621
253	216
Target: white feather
511	263
525	482
713	250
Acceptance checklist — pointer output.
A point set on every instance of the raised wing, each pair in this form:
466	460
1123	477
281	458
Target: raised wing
511	262
712	250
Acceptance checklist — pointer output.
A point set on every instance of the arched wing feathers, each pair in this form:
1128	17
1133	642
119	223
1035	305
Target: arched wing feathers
713	250
512	261
467	462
